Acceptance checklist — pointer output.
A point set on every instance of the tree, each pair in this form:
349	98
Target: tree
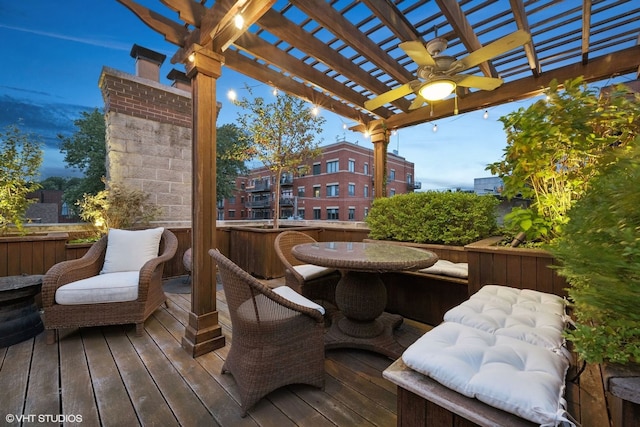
86	151
20	160
283	135
231	152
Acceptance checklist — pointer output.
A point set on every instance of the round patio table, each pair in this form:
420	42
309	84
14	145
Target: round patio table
361	296
19	315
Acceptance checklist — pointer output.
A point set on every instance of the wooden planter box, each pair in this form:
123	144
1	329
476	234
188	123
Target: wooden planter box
516	267
32	253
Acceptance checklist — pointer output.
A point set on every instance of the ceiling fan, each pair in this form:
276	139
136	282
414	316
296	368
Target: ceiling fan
438	74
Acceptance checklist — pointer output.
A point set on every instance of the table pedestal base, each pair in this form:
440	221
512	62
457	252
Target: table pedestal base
383	343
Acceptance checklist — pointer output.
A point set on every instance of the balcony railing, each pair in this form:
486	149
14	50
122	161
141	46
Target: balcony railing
414	186
263	203
259	186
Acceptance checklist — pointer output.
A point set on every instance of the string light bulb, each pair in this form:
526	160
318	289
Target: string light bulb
192	57
275	91
238	20
315	110
486	114
232	95
435	128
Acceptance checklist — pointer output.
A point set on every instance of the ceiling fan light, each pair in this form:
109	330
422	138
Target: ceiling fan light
437	89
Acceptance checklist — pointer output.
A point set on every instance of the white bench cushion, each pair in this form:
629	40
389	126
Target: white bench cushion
310	271
111	287
506	373
448	268
535	317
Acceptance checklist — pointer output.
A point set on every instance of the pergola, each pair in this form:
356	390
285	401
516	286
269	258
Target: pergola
338	54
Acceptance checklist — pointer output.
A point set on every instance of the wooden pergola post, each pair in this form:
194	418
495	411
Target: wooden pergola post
203	332
380	140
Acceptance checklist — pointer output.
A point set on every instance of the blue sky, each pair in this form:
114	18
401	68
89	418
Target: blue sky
53	53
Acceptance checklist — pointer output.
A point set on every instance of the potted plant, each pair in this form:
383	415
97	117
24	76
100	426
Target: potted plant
554	148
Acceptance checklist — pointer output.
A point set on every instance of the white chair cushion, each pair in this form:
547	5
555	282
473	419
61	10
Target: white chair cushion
503	372
310	271
535	317
112	287
448	268
129	250
288	293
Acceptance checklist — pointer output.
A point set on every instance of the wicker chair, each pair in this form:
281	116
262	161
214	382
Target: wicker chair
150	292
278	337
314	282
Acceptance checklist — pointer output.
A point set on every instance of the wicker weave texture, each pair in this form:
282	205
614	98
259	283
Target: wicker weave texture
318	289
150	293
275	341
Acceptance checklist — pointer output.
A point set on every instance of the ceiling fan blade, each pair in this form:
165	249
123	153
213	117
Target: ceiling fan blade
478	82
418	52
417	103
498	47
387	97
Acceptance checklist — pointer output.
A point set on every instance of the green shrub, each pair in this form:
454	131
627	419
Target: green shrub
118	207
599	253
433	217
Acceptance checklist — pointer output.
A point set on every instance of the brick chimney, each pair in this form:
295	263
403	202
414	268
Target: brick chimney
148	62
180	80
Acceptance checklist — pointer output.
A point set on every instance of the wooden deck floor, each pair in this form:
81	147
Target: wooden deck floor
110	377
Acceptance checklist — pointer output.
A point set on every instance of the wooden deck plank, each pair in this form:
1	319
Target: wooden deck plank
147	400
114	406
14	377
156	355
42	394
593	405
76	392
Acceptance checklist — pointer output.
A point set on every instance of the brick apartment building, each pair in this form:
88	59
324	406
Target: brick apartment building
336	186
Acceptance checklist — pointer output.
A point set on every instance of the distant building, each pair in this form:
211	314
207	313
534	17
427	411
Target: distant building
337	186
489	185
48	208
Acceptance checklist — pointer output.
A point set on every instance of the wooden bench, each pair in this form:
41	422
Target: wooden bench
423	401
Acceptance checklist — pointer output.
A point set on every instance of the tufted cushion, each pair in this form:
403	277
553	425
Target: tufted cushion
448	268
535	317
310	271
112	287
129	250
509	374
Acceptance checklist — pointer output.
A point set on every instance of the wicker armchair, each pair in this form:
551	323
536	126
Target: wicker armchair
150	293
314	282
278	335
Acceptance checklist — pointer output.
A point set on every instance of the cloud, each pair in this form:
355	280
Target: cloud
83	40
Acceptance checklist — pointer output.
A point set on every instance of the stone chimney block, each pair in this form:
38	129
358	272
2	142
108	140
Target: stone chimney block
148	62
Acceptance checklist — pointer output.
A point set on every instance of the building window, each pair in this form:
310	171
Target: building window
333	190
366	211
366	191
232	200
316	191
300	213
352	165
352	214
300	191
352	189
409	178
232	214
392	192
332	213
243	214
366	168
316	213
316	169
332	166
392	175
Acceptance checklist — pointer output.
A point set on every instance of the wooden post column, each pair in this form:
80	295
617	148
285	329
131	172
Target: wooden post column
203	332
380	140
